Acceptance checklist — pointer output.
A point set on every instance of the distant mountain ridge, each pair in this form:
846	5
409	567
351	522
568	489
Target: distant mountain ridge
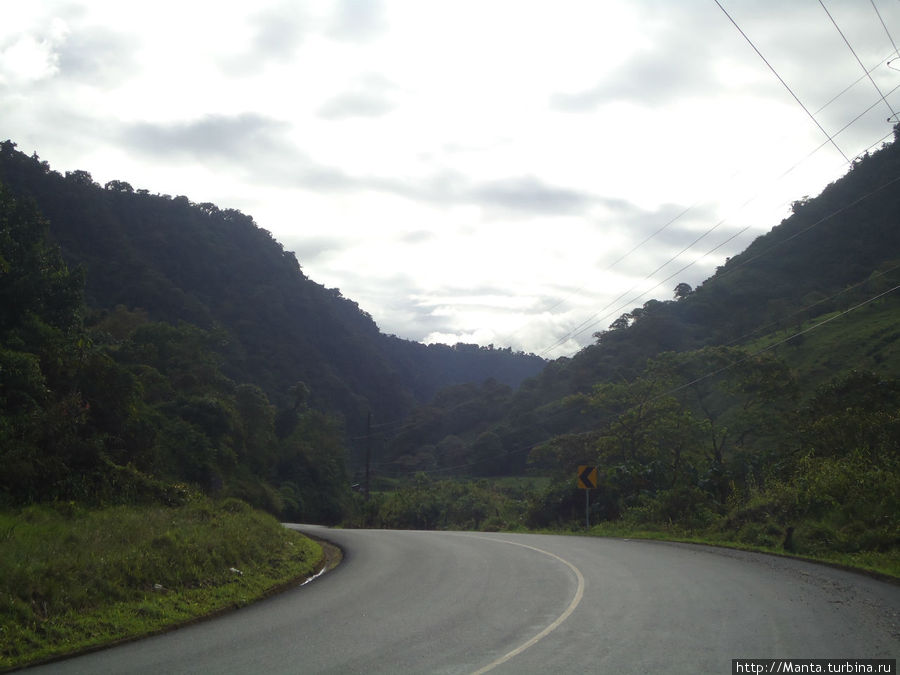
215	268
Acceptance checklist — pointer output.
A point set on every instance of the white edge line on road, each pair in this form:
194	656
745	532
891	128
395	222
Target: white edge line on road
576	600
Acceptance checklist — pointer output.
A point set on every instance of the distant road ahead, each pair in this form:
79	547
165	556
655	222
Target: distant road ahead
445	602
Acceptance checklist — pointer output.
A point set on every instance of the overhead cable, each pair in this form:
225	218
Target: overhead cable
773	324
884	25
859	79
861	65
581	327
780	79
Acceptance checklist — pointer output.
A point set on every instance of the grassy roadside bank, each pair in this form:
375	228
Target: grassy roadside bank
73	579
884	565
840	512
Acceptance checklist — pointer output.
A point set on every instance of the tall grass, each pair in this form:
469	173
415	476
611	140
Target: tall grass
72	578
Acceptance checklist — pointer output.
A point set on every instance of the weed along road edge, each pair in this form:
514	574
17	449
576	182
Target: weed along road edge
452	602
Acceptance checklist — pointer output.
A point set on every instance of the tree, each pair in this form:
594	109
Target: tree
80	177
621	323
859	411
683	290
118	186
35	283
488	456
646	438
743	401
311	460
42	412
256	429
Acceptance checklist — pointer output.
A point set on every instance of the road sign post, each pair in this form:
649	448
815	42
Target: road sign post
587	481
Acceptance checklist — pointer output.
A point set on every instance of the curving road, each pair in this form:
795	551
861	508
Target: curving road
446	602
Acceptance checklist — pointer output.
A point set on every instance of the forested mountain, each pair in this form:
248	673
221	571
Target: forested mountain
122	409
148	344
204	355
835	251
761	408
217	270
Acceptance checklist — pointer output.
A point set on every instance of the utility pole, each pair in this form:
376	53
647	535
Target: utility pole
368	451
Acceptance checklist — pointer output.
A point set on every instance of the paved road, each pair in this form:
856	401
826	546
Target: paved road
444	602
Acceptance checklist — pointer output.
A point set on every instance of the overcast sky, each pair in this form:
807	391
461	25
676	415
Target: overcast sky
517	173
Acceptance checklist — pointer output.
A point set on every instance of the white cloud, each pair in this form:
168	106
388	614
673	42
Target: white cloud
31	57
492	172
357	19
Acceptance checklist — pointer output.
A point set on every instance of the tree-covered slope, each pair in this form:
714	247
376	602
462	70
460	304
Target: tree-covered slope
216	269
122	409
761	409
846	235
836	252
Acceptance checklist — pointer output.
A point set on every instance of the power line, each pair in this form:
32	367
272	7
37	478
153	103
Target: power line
779	243
777	344
830	139
591	322
780	79
760	329
581	327
853	51
381	425
769	347
684	212
856	119
609	268
854	83
880	140
577	330
831	215
884	25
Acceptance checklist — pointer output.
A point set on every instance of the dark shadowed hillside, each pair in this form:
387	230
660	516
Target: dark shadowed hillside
216	269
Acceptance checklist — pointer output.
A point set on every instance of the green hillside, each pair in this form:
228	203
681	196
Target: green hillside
818	349
834	252
216	269
762	406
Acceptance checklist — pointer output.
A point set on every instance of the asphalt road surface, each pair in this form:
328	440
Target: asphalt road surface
447	602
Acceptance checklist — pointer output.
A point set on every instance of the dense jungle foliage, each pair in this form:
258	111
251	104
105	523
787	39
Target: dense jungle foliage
104	407
762	406
215	269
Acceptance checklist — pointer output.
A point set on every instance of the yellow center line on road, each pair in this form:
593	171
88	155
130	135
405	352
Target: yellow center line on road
579	594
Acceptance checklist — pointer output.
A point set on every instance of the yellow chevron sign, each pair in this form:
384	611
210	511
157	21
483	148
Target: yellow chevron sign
587	477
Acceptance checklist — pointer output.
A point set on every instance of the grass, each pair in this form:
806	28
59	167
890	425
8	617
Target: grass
864	340
73	579
843	513
882	563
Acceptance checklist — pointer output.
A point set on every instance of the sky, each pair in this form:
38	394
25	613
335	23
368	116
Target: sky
516	173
